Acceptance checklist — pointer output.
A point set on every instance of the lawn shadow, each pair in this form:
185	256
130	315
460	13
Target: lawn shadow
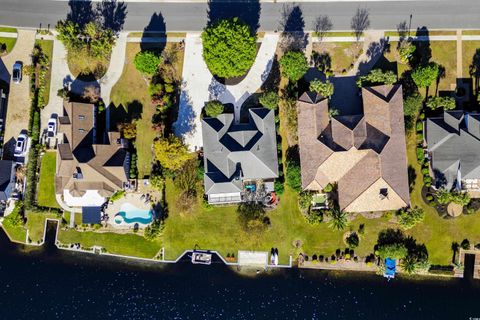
423	52
292	25
124	114
248	11
156	25
474	70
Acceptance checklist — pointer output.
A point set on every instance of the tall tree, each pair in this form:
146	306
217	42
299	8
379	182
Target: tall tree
294	65
171	153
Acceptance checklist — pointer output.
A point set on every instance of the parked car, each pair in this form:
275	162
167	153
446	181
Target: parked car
52	127
17	72
21	146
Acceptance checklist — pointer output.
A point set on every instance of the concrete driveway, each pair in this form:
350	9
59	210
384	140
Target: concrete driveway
18	106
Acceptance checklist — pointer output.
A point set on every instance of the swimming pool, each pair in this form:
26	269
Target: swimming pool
130	214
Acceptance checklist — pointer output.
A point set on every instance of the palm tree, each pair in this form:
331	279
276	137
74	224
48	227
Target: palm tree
409	265
339	219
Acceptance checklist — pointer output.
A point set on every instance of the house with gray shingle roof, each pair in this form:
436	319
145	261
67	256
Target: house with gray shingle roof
364	154
453	142
239	154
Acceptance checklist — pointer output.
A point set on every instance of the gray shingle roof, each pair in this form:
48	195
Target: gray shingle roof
454	143
233	152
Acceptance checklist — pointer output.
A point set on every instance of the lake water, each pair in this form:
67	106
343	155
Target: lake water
51	284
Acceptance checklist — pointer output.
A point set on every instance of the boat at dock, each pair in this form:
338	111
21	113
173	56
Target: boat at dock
201	257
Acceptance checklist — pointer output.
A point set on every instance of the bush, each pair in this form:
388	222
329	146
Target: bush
117	195
409	218
429	197
447	103
419	126
412	105
305	200
328	188
377	76
214	108
465	244
269	100
427	179
154	230
419	137
424	76
425	171
314	217
279	187
147	62
294	176
15	218
393	251
294	65
229	48
353	240
326	89
420	155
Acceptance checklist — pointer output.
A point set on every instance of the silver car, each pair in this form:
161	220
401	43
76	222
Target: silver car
21	145
17	72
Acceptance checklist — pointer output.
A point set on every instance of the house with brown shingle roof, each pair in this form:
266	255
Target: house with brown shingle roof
88	171
365	154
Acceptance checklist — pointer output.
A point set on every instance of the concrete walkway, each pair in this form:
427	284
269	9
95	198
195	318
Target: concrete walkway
62	76
199	86
459	55
18	109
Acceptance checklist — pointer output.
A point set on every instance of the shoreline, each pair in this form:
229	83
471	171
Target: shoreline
248	271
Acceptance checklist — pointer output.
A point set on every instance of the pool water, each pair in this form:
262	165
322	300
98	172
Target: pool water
130	214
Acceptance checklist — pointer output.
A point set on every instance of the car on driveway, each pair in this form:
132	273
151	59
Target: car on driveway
17	72
21	145
52	127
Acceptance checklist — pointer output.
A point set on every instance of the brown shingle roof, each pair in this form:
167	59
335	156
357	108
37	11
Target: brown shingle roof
380	131
101	165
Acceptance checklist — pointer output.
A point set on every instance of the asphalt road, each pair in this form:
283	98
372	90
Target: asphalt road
193	16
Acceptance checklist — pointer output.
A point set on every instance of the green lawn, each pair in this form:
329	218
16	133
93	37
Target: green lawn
8	29
18	234
9	42
47	47
469	48
430	33
124	244
471	32
445	54
130	96
46	185
36	224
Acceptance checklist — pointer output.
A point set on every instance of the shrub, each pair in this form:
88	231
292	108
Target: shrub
305	200
328	188
155	89
425	171
447	103
294	65
229	48
424	76
339	219
154	230
326	89
427	179
429	197
117	195
377	76
419	126
269	100
314	217
409	218
15	218
294	176
412	105
465	244
420	155
147	62
214	108
279	187
353	240
393	251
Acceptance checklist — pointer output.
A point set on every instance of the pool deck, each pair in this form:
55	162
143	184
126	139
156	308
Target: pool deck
133	198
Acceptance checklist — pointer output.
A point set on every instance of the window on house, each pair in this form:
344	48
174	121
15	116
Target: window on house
383	193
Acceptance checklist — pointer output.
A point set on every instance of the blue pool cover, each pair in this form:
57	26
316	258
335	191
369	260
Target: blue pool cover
91	215
390	268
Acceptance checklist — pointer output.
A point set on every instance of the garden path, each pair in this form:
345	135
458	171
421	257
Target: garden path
199	86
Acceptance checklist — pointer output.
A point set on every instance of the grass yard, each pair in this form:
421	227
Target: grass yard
468	51
430	33
471	32
130	95
9	43
342	54
123	244
8	29
46	185
47	47
16	234
445	54
438	233
219	229
36	224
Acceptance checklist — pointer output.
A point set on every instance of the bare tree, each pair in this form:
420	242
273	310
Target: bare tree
322	25
360	22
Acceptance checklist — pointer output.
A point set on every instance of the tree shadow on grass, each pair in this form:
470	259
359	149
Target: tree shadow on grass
158	27
474	70
248	11
423	52
122	114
